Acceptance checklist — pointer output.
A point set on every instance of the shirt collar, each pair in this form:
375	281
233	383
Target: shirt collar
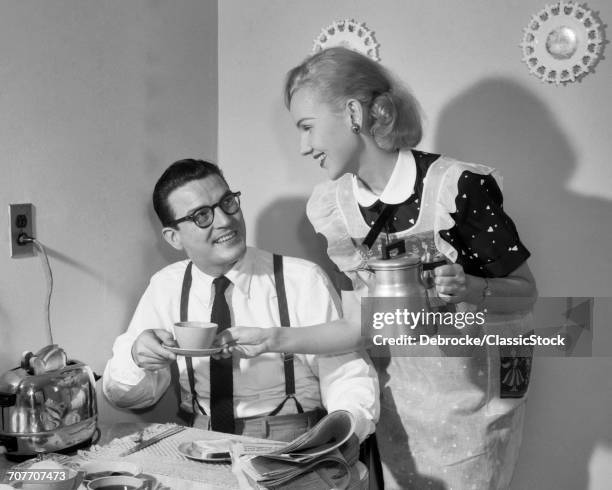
240	274
399	187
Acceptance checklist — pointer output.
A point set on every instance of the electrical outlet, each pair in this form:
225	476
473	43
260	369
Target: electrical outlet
21	222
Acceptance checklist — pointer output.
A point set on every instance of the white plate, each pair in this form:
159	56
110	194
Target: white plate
220	448
194	352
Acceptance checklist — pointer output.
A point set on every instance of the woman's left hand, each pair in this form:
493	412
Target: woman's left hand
451	283
244	341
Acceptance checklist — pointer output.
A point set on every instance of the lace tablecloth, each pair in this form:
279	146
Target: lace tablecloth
163	461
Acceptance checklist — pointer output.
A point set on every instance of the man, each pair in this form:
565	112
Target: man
226	282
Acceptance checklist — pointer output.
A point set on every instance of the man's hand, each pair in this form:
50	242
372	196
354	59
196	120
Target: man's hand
245	341
148	351
451	283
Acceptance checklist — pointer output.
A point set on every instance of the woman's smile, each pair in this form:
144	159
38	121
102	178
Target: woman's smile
321	157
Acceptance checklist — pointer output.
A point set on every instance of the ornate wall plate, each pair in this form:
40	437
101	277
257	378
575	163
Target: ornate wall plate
563	43
349	34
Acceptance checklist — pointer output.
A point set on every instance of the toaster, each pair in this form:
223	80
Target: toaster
48	404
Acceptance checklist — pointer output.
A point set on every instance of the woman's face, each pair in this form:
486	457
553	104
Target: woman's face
325	134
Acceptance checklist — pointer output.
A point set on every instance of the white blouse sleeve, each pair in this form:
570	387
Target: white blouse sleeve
327	219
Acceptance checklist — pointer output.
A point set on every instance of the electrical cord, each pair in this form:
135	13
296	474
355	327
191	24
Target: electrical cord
24	238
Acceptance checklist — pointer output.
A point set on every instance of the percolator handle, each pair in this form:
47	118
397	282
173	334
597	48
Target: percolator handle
428	266
426	276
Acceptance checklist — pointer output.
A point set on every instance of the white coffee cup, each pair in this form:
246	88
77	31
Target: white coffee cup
195	335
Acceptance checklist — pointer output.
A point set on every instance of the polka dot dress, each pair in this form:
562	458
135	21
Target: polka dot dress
484	236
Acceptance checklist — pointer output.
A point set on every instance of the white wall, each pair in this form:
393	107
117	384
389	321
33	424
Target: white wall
97	99
99	96
463	61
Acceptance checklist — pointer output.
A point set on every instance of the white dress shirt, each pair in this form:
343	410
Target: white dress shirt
346	381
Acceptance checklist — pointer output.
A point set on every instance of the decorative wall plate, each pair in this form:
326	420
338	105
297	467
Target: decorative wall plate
349	34
563	43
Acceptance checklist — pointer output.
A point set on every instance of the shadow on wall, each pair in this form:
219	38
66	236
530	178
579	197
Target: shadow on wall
156	254
161	249
500	123
283	227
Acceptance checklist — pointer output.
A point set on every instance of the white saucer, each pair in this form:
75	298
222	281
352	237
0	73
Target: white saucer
100	468
194	352
188	450
153	482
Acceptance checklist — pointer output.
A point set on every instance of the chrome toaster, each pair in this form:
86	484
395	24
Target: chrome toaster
48	404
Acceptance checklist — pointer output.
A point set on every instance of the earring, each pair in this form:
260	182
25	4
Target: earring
355	128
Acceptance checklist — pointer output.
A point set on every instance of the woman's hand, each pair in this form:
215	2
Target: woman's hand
514	292
452	283
245	341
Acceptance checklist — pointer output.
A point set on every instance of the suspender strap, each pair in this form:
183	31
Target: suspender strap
279	281
185	292
184	309
285	322
283	311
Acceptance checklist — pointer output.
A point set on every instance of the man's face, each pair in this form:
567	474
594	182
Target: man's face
215	249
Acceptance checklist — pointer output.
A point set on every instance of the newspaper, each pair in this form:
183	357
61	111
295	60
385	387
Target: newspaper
312	461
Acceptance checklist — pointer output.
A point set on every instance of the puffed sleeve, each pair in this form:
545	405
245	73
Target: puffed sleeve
484	236
326	217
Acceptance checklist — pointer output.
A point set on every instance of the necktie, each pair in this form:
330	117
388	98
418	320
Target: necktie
221	376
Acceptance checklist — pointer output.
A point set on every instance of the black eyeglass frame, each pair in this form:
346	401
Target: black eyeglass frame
191	216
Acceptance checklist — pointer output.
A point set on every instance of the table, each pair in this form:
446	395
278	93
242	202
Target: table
164	462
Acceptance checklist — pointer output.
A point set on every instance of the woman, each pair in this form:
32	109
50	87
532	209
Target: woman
446	422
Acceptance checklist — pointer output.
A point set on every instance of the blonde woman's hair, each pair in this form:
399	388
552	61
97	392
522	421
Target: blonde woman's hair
339	74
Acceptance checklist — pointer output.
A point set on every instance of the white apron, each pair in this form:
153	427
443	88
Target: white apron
443	424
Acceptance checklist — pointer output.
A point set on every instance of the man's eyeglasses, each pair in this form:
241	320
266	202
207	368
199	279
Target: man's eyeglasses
203	217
